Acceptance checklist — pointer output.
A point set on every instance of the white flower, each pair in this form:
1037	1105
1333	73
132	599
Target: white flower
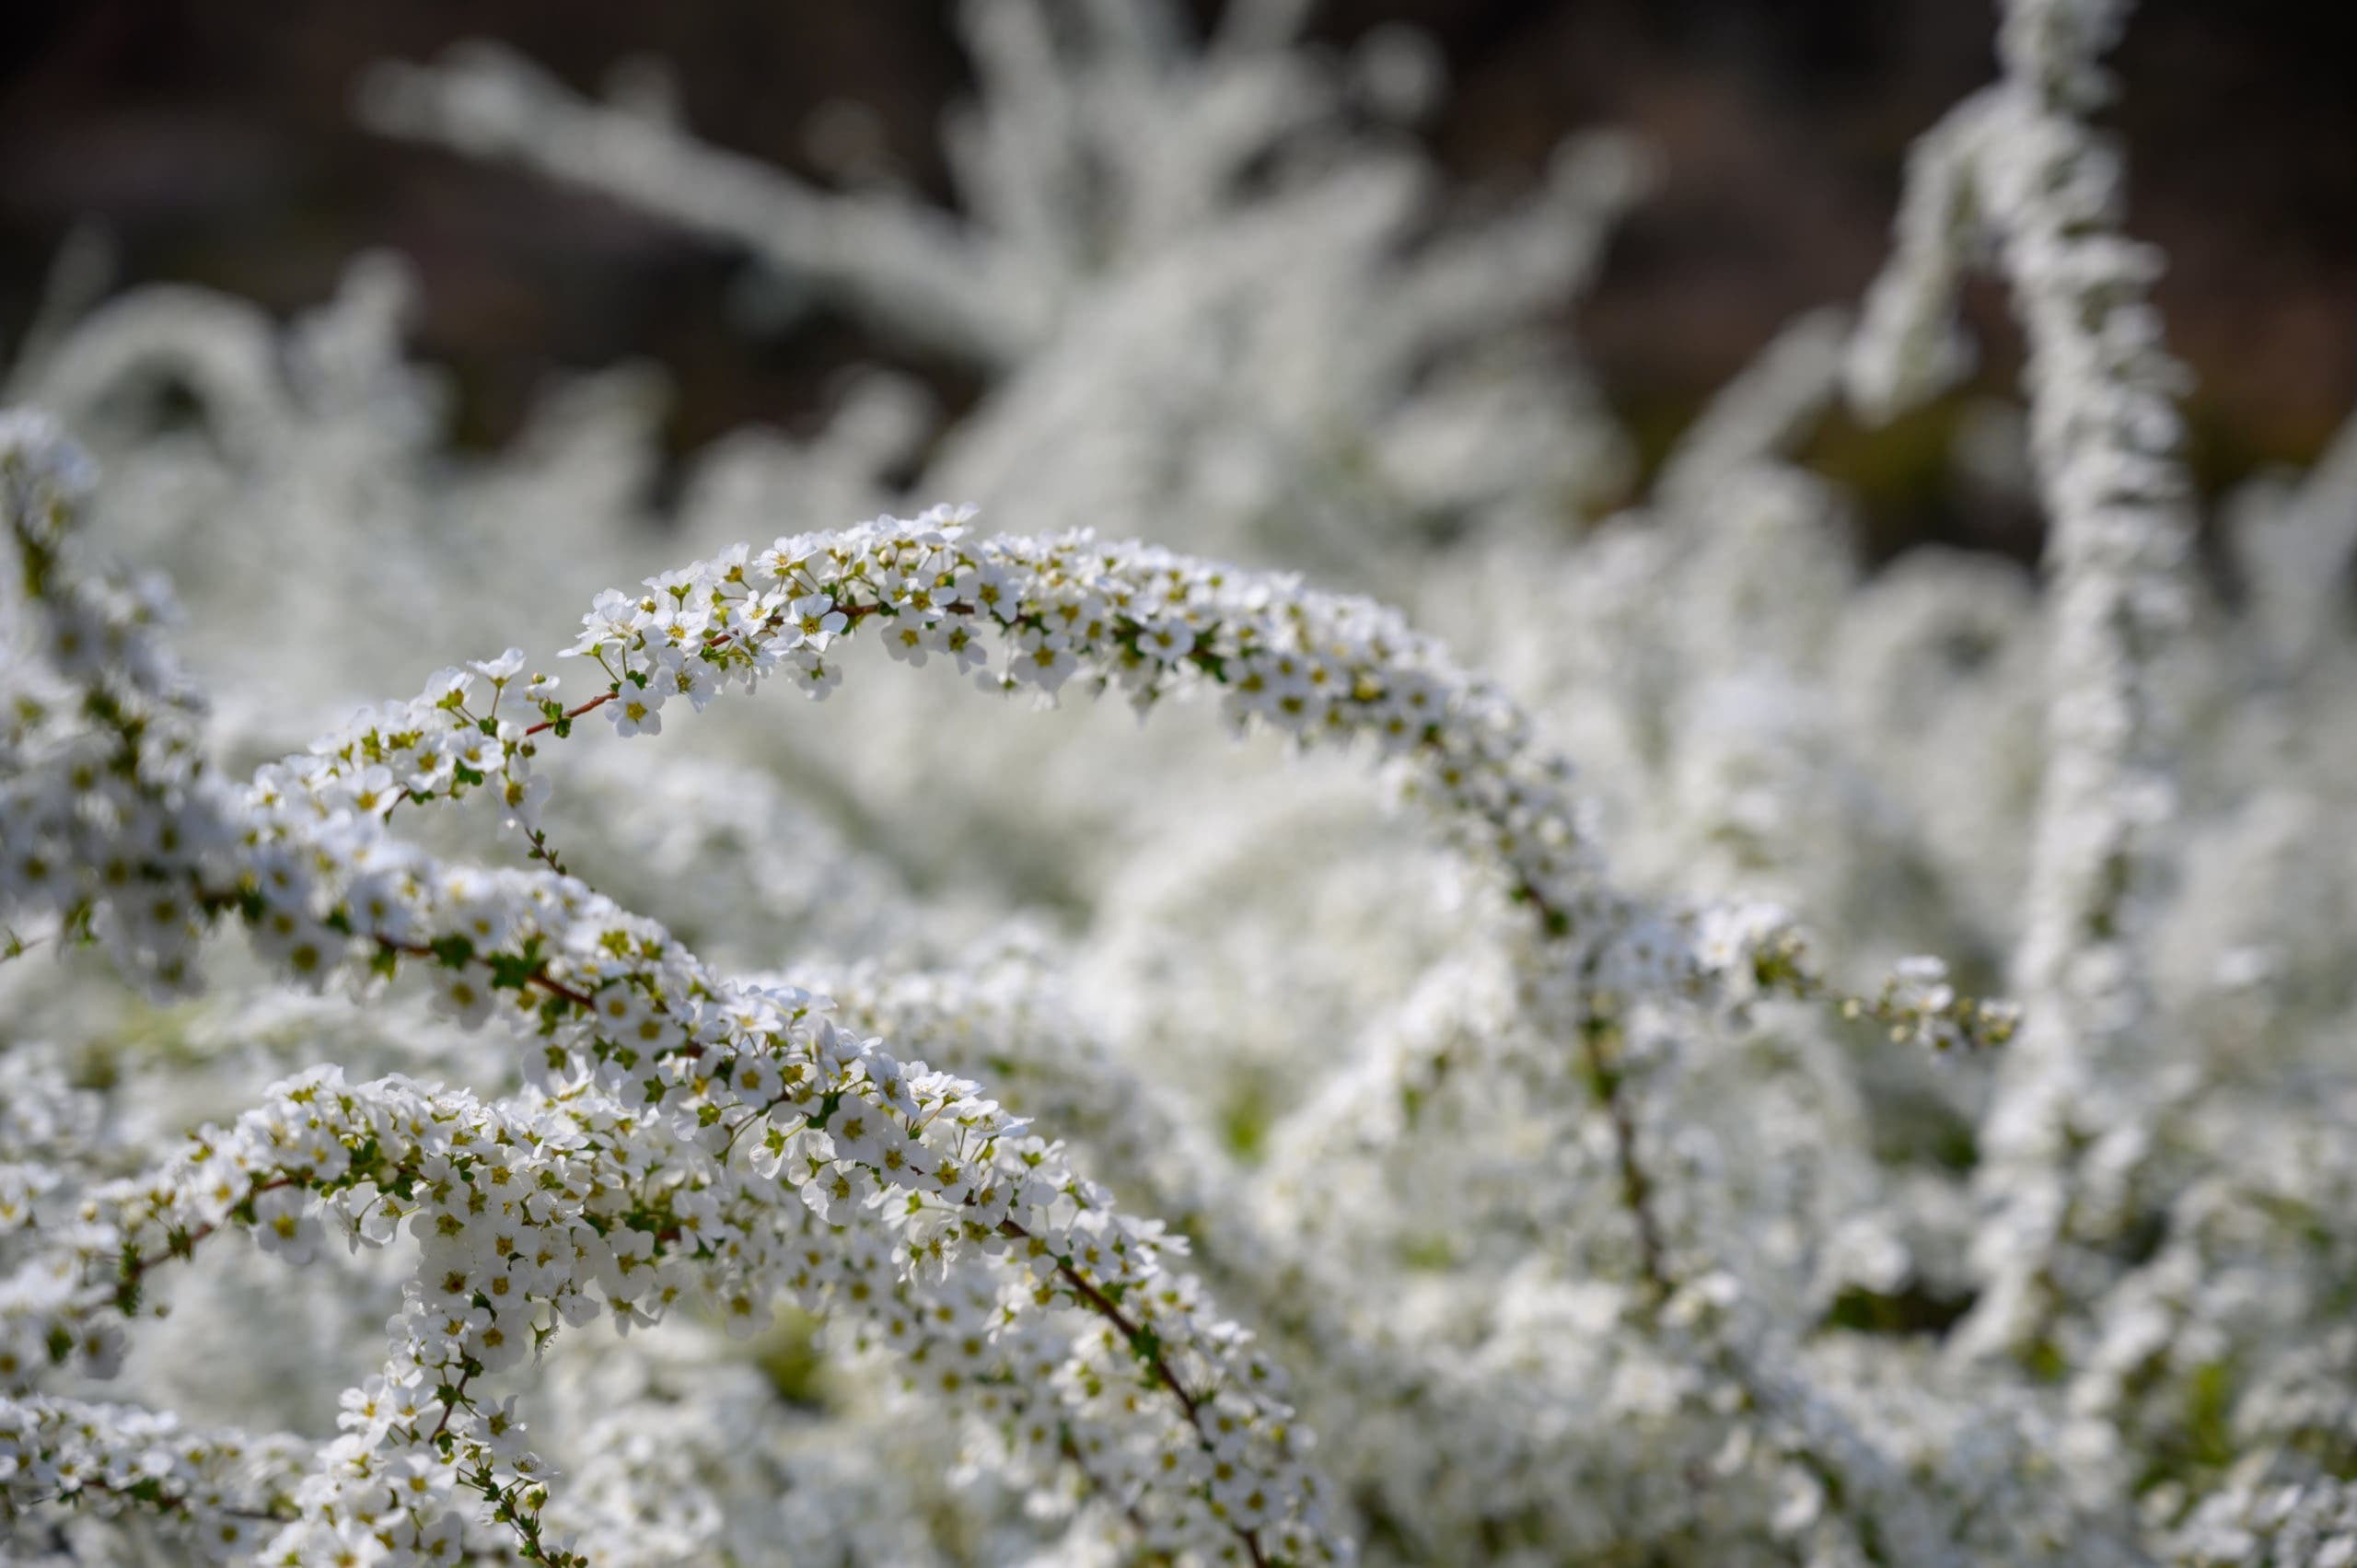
501	670
637	710
464	994
814	621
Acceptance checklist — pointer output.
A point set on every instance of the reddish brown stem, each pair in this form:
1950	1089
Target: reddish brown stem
1106	1307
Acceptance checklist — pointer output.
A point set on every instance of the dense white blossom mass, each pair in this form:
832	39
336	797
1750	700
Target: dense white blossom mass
643	1126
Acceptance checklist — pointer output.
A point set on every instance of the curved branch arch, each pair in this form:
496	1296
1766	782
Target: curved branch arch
304	854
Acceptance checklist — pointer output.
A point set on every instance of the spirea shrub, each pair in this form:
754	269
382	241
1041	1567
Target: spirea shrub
587	1112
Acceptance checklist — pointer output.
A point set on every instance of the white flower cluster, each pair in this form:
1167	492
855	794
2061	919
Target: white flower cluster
645	1034
2017	172
1024	615
1164	250
216	1492
638	1024
741	1144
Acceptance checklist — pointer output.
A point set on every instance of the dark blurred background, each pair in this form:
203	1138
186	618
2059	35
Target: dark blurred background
215	144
